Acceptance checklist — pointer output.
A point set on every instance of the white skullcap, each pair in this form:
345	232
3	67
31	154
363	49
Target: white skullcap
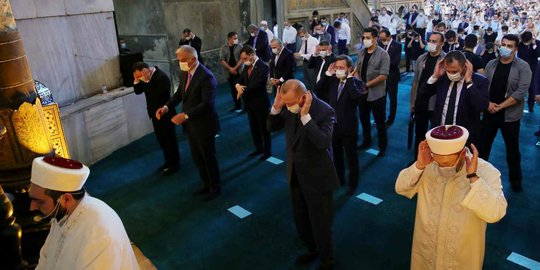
447	140
59	174
263	22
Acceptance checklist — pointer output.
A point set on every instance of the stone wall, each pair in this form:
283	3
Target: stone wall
71	45
154	28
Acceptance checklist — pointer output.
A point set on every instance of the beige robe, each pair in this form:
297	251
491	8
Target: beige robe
451	215
92	237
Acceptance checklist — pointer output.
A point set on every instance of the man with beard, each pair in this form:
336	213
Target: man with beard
85	232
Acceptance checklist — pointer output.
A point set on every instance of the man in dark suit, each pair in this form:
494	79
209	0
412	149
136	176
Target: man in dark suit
330	30
452	43
410	17
308	124
190	39
259	40
462	94
197	92
282	64
319	62
344	92
251	87
156	86
393	48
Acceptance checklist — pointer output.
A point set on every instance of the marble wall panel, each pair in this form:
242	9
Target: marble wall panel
87	6
106	127
23	9
50	55
77	138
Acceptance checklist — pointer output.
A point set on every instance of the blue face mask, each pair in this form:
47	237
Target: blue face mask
505	52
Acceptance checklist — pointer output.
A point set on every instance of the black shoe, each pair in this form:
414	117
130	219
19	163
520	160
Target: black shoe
364	145
389	122
170	170
516	187
537	133
201	191
350	191
255	153
265	157
326	265
162	168
305	258
381	153
211	196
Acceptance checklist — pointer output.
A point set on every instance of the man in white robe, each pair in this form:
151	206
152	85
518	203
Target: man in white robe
85	232
458	194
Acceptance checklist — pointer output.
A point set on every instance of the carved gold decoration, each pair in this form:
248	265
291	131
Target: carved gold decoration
56	132
30	129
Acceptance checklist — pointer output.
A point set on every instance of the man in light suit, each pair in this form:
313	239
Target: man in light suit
259	40
344	92
197	92
461	94
312	178
282	64
251	87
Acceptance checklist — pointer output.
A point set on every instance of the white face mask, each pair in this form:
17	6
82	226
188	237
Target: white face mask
448	172
322	53
385	43
456	77
294	108
431	47
235	41
253	34
248	63
368	43
275	51
341	74
184	66
304	38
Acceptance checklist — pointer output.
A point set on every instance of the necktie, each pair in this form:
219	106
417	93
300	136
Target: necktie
340	88
249	71
188	81
320	70
305	47
449	120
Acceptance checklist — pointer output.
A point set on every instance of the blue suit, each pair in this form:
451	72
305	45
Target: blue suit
345	137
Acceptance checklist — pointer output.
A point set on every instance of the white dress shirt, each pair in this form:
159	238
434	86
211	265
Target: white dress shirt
311	46
270	35
289	35
384	20
344	32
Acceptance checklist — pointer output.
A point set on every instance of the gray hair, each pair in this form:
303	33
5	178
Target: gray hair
278	41
252	27
187	49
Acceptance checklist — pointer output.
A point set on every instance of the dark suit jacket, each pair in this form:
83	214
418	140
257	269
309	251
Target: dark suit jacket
198	102
262	48
315	63
406	17
309	149
157	92
472	102
255	96
196	43
346	105
332	31
446	46
394	52
284	68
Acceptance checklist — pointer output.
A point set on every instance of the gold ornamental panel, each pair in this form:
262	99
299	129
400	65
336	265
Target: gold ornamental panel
51	113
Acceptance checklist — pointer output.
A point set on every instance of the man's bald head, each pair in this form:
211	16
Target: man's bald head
292	92
187	50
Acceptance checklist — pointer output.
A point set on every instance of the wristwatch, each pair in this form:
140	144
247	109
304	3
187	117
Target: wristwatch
472	175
